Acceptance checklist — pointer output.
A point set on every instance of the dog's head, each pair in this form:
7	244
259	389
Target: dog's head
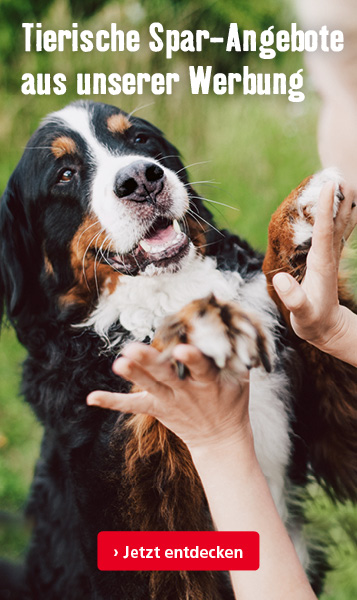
97	194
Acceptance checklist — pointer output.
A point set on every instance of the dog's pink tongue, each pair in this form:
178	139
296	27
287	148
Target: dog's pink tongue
163	236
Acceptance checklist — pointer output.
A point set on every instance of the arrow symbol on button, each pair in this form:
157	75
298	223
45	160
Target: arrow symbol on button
115	552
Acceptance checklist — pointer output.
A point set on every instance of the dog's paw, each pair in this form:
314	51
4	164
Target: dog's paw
291	226
228	335
306	205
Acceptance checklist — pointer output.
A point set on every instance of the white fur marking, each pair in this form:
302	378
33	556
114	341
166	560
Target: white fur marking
140	303
210	338
121	222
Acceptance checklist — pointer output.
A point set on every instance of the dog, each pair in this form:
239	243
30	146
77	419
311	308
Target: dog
103	240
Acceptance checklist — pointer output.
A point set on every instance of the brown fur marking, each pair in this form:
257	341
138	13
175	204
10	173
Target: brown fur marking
281	245
165	493
63	145
118	123
198	233
48	265
90	274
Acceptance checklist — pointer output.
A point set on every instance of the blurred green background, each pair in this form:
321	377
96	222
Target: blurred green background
251	151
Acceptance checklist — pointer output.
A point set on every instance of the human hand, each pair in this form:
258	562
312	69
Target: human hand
203	409
316	315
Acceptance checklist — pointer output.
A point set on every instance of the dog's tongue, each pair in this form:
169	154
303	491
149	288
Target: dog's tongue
162	236
162	239
162	242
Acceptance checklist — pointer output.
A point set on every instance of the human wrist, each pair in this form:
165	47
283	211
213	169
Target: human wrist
240	442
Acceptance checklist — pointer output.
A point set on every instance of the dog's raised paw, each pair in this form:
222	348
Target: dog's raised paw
224	332
291	227
307	205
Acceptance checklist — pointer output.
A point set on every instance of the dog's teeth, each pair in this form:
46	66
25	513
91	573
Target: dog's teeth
176	226
145	246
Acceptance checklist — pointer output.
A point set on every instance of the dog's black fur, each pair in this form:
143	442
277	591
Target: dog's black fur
74	494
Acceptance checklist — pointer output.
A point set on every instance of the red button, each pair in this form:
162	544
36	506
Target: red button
178	550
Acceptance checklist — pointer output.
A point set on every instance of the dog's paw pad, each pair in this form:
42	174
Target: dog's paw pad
232	338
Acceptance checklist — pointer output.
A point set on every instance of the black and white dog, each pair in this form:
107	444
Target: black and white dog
102	237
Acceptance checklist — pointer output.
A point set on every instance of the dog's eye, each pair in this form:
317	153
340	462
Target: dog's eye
66	175
141	138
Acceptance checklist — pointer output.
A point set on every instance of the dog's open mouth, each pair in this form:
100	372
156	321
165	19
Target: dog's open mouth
164	244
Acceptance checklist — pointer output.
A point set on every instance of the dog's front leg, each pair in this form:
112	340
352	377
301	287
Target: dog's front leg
327	411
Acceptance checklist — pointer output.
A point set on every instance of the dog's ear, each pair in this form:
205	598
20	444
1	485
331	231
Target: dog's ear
18	253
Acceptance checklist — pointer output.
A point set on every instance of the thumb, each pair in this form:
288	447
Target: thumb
292	295
136	402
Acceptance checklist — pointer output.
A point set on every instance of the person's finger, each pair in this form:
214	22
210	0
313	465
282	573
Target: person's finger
200	367
132	371
323	231
136	403
344	216
292	294
139	351
150	359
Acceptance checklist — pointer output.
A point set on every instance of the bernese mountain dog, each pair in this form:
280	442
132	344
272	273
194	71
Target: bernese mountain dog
103	240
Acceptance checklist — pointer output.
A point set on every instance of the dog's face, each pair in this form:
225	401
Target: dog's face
97	194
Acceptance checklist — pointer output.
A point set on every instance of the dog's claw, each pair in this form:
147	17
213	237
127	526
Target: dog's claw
181	369
339	195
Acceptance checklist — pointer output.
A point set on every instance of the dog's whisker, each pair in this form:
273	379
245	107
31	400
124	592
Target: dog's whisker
207	222
186	223
197	221
92	242
141	107
105	251
203	162
95	273
204	245
159	157
134	257
105	258
86	229
99	251
190	183
215	202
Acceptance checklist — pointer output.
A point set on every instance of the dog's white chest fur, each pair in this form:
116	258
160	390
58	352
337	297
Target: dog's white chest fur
140	304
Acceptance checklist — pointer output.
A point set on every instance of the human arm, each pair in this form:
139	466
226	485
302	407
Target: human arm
315	312
211	416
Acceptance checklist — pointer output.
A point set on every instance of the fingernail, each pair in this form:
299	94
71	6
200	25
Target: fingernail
282	282
118	361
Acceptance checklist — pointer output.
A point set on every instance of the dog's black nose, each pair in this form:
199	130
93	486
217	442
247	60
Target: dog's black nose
140	181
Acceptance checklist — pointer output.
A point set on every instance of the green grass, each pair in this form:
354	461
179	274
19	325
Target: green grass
17	425
19	445
337	526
